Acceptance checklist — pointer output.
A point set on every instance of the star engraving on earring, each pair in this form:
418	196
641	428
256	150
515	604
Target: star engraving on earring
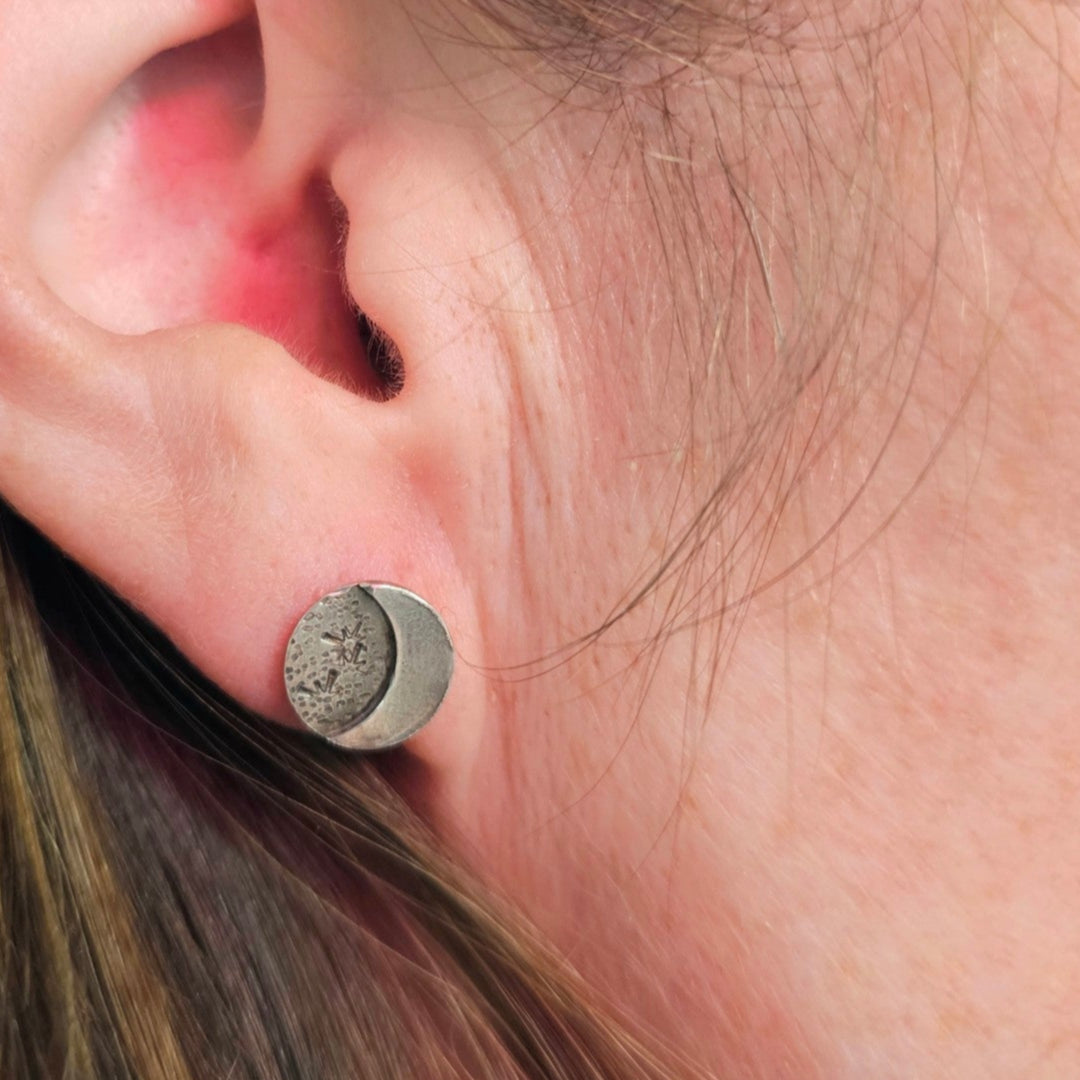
367	665
348	644
320	686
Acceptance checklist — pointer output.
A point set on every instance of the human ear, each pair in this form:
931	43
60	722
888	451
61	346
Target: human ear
217	479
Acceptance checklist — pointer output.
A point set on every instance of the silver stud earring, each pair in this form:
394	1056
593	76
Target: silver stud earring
368	665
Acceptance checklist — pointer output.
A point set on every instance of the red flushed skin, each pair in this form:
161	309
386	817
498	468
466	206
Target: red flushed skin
168	210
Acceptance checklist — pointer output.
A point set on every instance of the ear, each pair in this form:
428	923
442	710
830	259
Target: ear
218	479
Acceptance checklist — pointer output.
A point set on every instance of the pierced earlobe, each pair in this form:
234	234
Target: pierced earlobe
237	412
368	666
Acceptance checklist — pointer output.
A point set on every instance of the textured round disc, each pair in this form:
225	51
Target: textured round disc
339	661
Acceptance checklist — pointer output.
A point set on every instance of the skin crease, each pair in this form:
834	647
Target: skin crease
848	852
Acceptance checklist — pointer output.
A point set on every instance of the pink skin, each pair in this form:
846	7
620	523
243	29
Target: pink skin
278	270
176	163
857	847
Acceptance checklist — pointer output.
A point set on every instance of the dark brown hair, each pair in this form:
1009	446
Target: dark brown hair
187	891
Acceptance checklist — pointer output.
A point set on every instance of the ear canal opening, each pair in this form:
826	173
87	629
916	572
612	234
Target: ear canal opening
383	355
384	358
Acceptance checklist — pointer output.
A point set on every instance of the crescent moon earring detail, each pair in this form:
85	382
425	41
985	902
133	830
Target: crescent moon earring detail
367	666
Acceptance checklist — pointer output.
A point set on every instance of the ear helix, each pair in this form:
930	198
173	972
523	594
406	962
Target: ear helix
368	666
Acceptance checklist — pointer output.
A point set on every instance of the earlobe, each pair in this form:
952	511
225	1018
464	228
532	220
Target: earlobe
201	469
213	482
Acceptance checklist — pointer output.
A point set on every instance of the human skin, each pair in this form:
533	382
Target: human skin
805	808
